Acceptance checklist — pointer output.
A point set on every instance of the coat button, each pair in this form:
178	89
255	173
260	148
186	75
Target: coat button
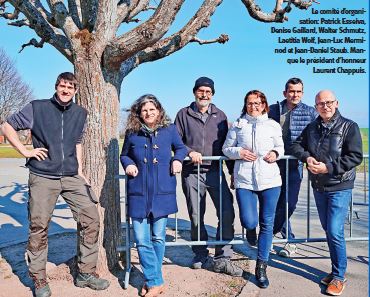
145	145
145	160
155	161
156	147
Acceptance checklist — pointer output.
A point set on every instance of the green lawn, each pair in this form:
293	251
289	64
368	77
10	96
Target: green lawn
9	152
365	139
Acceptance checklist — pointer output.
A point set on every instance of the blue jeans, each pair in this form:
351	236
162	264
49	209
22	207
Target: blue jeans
333	208
249	218
150	237
295	175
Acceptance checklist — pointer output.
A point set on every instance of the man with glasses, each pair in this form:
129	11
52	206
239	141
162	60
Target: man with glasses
203	128
293	116
331	146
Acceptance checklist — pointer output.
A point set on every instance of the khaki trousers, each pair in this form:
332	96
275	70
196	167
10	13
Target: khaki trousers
43	195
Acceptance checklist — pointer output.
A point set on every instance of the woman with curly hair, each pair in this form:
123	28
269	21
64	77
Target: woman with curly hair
151	186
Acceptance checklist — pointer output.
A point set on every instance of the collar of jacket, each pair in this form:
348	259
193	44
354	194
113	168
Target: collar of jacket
194	114
281	104
331	122
261	118
56	102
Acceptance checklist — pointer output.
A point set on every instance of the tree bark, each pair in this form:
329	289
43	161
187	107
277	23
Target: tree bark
99	94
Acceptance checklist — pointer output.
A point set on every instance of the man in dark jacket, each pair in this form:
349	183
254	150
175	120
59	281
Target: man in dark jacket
57	126
203	128
331	146
293	116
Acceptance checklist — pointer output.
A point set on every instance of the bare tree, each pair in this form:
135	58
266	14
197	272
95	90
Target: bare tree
14	93
85	32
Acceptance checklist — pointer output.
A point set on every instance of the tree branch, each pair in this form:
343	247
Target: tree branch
10	16
223	38
144	35
74	7
38	19
126	12
177	41
33	42
20	23
279	13
62	18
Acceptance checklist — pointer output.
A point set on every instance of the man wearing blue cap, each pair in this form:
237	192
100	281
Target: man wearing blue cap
203	128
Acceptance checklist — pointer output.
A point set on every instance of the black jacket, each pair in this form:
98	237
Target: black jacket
338	144
57	128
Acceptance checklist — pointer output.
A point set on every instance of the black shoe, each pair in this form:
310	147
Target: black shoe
42	288
252	236
199	261
224	265
261	276
91	280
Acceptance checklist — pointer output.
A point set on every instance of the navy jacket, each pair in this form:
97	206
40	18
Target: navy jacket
55	127
300	117
153	190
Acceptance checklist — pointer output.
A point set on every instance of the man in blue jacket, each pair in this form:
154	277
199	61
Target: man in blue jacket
293	116
203	129
57	127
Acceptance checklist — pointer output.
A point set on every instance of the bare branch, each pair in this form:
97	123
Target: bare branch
126	12
62	18
10	16
33	42
40	19
222	39
279	13
180	39
144	35
74	8
20	23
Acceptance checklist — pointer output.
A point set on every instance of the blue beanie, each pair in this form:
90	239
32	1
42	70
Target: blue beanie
204	82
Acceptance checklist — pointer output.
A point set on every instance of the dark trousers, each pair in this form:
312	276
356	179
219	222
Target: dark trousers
209	181
43	195
294	185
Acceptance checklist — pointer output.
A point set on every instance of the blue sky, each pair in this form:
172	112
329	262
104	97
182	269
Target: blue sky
246	62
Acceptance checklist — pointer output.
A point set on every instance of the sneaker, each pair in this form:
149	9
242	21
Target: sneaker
199	261
91	280
336	287
327	279
251	237
224	265
42	288
288	250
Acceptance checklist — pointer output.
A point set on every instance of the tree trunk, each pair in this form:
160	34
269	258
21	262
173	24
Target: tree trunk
99	94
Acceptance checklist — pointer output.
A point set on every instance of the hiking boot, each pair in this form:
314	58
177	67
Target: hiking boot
251	237
224	265
42	288
144	290
199	261
336	287
288	250
91	280
260	273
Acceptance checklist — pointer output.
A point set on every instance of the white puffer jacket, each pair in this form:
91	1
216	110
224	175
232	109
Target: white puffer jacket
259	135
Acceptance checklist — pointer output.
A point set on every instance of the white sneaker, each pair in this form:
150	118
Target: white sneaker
288	250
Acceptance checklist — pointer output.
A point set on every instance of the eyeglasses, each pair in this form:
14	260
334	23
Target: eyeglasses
256	104
327	103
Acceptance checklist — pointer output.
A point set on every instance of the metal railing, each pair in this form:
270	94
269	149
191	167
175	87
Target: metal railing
240	239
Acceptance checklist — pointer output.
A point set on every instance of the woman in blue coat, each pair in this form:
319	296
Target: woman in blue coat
151	186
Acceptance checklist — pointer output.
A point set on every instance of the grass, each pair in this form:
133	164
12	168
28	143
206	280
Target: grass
365	139
9	152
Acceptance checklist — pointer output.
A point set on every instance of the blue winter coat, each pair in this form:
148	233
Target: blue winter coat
153	190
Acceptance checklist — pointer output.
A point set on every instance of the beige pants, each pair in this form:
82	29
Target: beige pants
43	195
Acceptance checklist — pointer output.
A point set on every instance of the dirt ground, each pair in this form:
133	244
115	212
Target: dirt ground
180	279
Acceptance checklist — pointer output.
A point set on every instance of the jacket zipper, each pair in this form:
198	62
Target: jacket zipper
62	146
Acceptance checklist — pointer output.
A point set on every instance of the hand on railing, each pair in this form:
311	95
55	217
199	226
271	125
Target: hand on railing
196	157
